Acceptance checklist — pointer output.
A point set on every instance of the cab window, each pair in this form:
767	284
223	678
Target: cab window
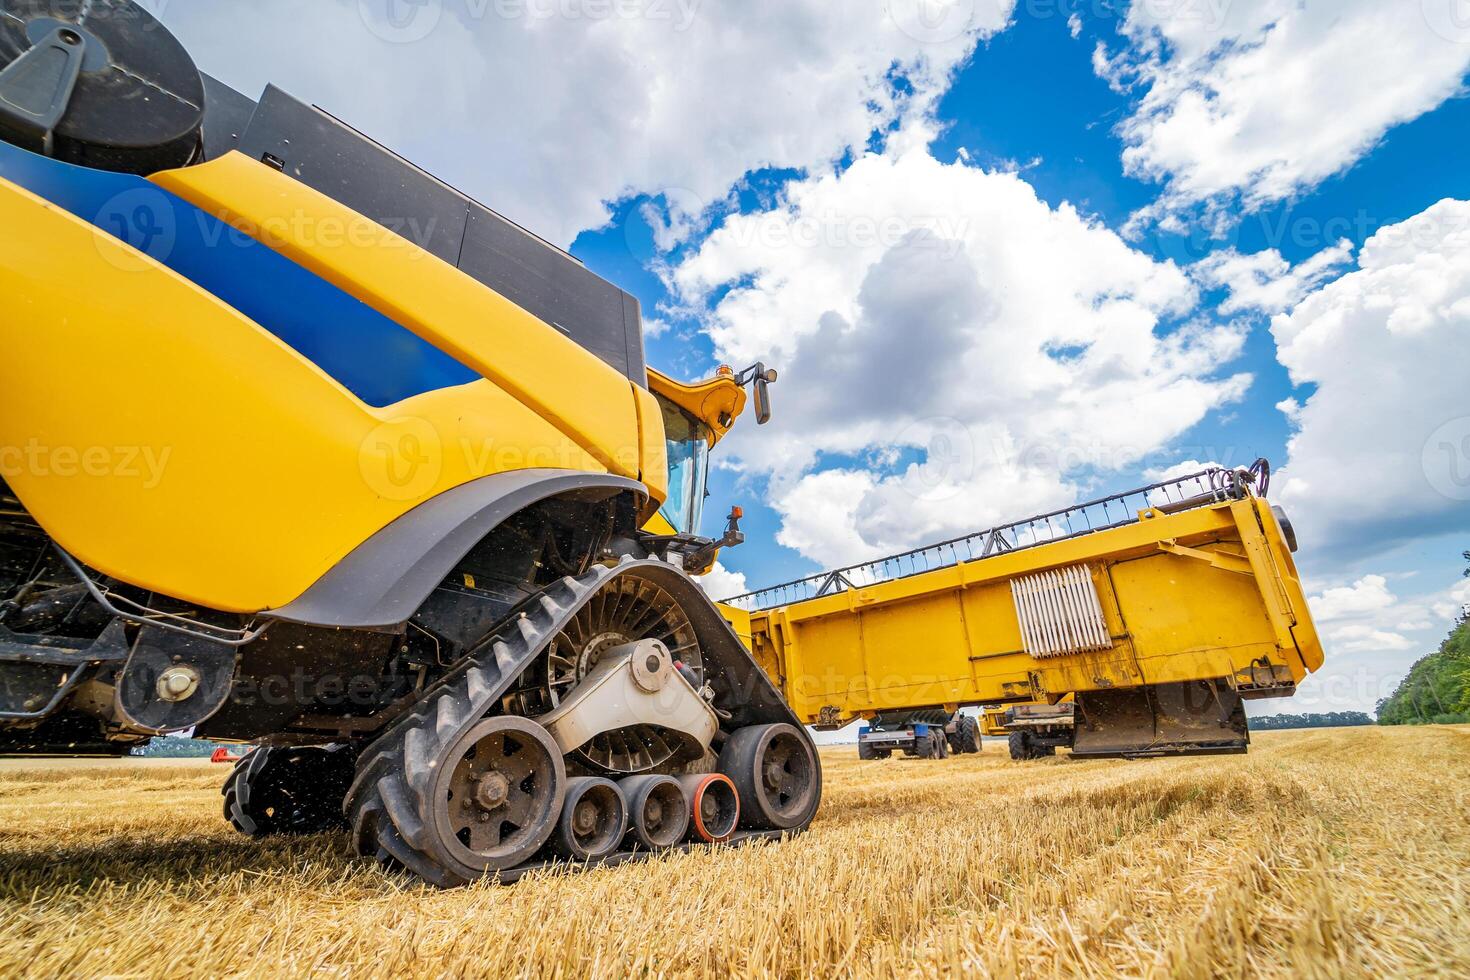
688	450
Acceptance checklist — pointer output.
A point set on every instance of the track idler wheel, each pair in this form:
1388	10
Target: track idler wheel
714	807
776	774
289	790
658	811
594	819
495	797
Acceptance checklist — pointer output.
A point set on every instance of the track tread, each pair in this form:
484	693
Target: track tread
388	804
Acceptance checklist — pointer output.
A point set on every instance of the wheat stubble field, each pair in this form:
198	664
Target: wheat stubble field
1324	853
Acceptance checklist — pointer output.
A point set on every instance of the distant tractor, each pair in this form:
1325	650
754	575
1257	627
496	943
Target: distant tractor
925	734
1032	731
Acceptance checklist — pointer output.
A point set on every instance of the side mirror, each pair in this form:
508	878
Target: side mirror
762	401
762	378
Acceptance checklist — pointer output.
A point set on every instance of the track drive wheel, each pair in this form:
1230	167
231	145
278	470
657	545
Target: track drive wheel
777	775
289	790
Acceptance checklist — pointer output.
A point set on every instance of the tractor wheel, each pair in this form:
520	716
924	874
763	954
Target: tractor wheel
289	790
865	751
968	735
941	746
776	775
1020	746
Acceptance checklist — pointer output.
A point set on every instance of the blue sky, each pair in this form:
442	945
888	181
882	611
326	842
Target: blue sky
1084	242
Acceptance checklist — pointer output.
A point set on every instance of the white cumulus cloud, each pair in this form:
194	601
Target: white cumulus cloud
1369	594
1264	282
721	583
1380	454
549	109
1257	100
954	351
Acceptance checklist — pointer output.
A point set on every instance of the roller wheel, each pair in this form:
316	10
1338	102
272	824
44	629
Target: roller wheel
777	774
714	807
594	819
658	811
138	103
288	790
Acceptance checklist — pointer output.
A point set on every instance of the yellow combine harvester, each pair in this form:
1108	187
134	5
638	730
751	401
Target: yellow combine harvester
1160	610
304	448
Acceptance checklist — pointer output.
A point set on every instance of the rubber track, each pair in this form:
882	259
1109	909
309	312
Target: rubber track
245	778
389	805
236	791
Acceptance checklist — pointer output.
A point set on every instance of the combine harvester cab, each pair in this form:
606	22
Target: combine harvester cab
1158	611
305	448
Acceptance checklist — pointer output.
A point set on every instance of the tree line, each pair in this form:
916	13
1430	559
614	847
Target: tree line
1324	719
1437	688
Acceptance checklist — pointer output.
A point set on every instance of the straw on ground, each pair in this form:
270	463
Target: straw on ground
1324	853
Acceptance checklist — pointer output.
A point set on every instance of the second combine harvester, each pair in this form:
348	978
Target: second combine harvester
307	449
